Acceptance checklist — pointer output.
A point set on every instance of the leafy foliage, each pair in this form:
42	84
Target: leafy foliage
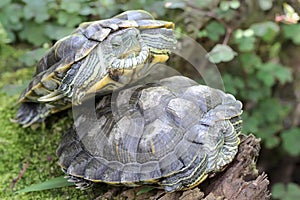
221	53
289	191
291	140
247	39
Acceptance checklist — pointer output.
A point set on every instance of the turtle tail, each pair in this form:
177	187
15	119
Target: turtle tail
30	113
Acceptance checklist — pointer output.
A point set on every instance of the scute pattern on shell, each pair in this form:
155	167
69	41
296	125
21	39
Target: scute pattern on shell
170	133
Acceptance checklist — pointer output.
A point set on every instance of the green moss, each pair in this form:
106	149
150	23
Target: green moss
36	147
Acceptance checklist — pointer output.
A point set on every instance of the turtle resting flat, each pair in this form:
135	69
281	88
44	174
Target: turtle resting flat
98	56
171	134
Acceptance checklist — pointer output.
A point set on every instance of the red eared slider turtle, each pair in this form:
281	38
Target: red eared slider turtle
171	133
100	55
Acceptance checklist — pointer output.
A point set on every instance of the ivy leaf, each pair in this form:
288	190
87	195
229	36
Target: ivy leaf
290	139
70	6
4	2
268	135
275	50
221	53
37	10
34	33
278	190
270	72
174	4
31	57
205	3
290	191
244	39
246	43
266	30
250	124
3	35
224	5
292	31
57	32
232	83
267	78
250	61
215	30
70	20
265	4
10	21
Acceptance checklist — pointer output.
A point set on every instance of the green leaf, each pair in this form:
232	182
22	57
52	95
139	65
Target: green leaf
235	4
290	191
86	10
270	72
244	39
36	9
275	50
267	78
246	44
174	4
293	191
34	33
4	2
283	74
70	20
266	30
50	184
70	6
205	3
57	32
271	110
215	30
255	90
290	139
221	53
232	83
10	21
224	5
250	61
145	190
3	35
268	134
265	4
292	31
12	90
250	123
30	58
278	190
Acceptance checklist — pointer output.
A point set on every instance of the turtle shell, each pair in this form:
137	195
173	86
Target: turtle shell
94	57
170	133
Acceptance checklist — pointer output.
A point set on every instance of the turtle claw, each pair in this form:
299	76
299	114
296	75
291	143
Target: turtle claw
30	113
53	96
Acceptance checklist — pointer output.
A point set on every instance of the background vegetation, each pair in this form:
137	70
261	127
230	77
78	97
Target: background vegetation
255	44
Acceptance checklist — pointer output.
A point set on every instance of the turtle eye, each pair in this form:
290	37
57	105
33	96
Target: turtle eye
116	42
133	32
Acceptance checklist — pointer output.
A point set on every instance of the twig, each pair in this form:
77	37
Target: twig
227	35
15	180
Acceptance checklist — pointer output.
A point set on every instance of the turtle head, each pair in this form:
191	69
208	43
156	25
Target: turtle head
131	47
125	49
126	44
